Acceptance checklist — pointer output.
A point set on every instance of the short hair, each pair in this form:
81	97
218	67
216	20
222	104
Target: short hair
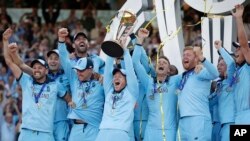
220	58
164	57
188	48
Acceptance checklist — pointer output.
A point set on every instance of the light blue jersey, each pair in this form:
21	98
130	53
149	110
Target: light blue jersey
141	114
193	103
119	107
213	106
169	103
242	94
146	63
61	104
144	59
88	96
158	95
39	117
226	106
61	123
141	108
193	98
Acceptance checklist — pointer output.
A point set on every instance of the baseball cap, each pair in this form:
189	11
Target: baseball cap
53	51
80	34
40	61
237	44
120	70
83	63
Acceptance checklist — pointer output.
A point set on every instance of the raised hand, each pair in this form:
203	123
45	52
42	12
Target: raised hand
142	34
62	34
217	44
7	34
198	52
123	40
239	9
13	48
198	68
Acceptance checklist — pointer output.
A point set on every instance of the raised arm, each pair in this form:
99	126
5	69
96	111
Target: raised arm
227	58
142	34
132	82
14	68
210	72
242	36
108	76
146	63
13	51
63	53
140	70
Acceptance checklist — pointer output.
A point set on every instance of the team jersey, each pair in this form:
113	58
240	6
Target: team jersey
39	116
119	107
62	108
88	96
194	91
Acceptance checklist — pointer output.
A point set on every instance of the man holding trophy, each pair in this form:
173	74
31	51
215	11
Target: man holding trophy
120	86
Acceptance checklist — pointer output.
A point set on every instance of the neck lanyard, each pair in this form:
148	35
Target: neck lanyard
235	78
116	97
37	96
54	77
184	79
218	86
155	90
85	93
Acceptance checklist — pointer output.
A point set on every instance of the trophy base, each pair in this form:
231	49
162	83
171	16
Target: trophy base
112	48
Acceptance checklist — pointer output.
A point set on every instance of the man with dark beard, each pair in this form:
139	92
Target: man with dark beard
39	96
81	45
87	93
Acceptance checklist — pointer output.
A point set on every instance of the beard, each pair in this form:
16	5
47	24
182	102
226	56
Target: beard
81	49
39	77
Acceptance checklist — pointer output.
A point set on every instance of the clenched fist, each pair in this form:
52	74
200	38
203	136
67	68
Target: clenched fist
62	34
198	53
13	48
7	34
142	34
217	44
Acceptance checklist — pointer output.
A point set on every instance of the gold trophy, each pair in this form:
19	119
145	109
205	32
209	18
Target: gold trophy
123	27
